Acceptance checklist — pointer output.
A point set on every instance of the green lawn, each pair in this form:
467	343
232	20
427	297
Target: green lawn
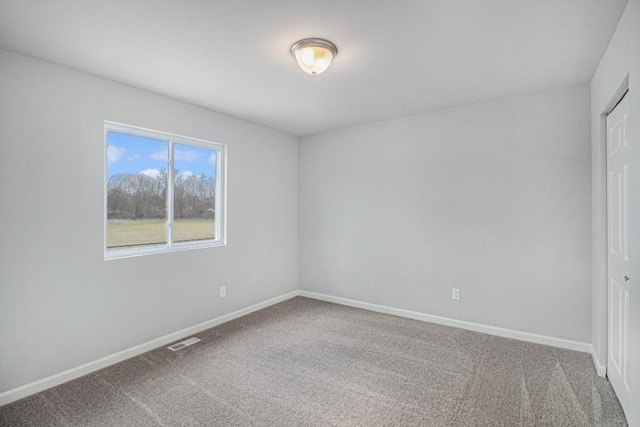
121	233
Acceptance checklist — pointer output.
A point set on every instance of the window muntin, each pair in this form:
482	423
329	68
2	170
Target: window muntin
148	212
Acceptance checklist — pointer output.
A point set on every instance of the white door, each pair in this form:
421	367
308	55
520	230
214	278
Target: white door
618	254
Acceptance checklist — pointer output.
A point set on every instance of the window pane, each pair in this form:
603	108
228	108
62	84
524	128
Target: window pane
194	193
137	172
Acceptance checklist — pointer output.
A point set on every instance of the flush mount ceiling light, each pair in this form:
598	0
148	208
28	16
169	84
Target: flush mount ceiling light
314	55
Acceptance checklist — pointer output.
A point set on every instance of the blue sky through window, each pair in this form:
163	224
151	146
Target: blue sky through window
130	154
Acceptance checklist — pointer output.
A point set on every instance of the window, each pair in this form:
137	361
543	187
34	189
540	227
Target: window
163	192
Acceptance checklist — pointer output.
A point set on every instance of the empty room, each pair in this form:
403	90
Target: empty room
305	213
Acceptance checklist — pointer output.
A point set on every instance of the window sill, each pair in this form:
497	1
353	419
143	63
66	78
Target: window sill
119	253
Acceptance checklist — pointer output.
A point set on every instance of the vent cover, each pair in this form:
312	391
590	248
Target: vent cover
183	344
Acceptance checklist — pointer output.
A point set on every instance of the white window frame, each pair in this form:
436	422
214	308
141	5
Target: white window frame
220	200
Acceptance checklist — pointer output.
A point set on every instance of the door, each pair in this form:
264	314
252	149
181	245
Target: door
618	255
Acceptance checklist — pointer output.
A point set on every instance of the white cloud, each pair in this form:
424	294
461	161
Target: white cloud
212	159
153	173
160	155
114	153
185	155
185	174
134	157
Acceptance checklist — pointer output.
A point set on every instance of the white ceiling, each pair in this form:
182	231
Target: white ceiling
395	58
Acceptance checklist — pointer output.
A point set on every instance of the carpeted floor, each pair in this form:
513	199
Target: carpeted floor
310	363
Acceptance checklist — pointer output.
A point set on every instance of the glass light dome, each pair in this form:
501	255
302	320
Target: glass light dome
314	55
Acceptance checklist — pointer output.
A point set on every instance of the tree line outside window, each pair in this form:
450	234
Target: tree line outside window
138	196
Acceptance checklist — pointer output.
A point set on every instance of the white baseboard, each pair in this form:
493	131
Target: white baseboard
491	330
71	374
600	368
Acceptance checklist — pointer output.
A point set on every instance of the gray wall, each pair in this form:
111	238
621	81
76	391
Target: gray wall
61	304
620	62
492	198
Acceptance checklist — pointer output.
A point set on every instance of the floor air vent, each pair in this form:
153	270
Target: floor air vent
183	344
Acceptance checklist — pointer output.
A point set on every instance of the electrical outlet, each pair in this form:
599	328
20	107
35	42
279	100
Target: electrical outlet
223	291
455	294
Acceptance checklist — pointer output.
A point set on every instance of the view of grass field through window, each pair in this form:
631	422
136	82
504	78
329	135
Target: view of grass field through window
137	188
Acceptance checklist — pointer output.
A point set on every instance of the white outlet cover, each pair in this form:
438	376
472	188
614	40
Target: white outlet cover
223	292
455	294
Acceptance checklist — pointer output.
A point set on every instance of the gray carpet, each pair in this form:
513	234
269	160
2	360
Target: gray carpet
310	363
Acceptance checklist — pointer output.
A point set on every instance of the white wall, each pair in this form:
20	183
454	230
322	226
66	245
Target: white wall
492	198
61	304
620	63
